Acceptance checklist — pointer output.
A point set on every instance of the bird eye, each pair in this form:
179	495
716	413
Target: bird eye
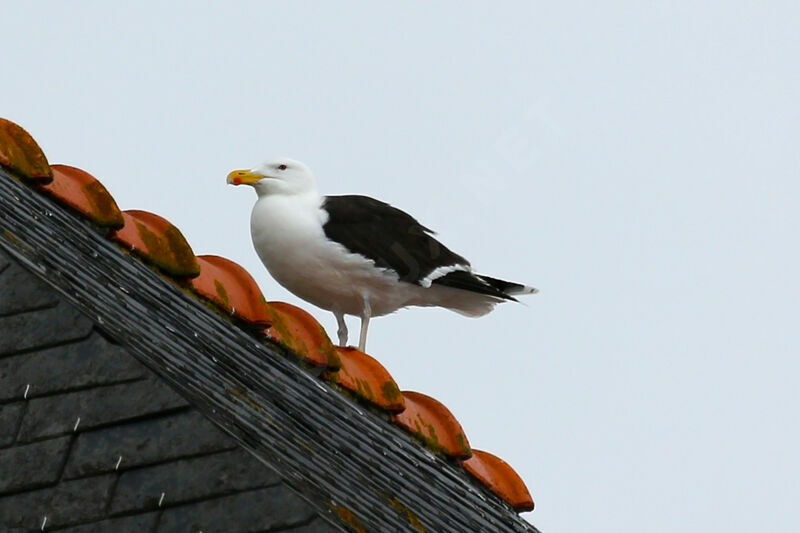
281	167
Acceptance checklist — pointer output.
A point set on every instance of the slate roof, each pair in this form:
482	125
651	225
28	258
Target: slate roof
362	454
90	439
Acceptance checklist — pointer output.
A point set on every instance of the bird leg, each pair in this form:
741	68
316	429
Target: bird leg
362	341
342	331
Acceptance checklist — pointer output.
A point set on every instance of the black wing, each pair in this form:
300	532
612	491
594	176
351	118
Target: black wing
390	237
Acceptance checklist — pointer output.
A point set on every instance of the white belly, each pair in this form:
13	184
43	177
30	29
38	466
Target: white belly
288	237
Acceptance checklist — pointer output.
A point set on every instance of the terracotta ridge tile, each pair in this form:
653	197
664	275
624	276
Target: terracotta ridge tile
500	478
299	331
85	194
231	288
429	420
156	240
21	154
367	379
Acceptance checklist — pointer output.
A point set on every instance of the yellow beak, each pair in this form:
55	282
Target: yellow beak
244	177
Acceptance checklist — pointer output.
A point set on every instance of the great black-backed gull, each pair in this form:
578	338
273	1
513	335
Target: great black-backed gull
354	255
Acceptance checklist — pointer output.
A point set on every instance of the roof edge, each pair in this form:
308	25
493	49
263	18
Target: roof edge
248	388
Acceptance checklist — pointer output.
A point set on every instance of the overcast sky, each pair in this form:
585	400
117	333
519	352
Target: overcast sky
637	164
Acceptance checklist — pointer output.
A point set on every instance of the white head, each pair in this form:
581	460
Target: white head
277	176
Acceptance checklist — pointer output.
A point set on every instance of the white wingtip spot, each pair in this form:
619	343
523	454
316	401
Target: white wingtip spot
524	289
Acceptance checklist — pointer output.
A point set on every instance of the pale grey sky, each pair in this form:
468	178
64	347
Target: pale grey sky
637	163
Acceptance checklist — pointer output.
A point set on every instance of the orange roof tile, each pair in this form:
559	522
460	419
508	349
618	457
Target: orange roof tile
368	379
433	423
21	154
232	289
81	191
156	240
302	334
500	478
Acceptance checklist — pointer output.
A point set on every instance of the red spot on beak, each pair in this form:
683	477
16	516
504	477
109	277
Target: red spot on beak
237	181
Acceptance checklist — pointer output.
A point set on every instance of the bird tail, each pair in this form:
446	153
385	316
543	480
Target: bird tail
485	285
508	287
472	294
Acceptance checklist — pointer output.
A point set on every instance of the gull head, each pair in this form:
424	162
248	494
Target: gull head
276	176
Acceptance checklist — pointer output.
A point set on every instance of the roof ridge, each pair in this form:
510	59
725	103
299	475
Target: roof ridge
231	292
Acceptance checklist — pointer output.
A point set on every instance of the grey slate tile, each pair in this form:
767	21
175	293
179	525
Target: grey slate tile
32	465
190	479
92	361
135	524
9	421
22	291
144	442
65	504
258	510
34	329
56	415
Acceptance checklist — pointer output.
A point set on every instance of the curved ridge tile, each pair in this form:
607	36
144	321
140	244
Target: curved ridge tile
365	377
157	241
21	154
500	478
231	288
432	422
82	192
300	332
